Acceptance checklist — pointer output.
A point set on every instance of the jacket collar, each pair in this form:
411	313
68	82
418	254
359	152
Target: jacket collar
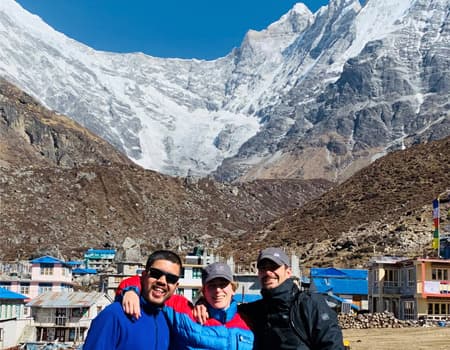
150	308
223	315
285	292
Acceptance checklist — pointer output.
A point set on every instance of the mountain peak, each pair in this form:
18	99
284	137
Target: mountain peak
333	88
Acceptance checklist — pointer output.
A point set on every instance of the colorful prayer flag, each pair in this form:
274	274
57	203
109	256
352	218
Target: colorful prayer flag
436	224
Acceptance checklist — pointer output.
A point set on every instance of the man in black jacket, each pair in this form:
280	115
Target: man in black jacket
286	318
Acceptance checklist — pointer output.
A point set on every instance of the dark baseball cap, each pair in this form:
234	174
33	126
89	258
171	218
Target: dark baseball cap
216	270
277	255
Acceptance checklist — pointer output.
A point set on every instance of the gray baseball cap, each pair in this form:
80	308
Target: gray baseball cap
276	255
216	270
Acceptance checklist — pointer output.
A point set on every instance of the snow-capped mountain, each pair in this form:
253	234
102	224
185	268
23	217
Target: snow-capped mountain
313	95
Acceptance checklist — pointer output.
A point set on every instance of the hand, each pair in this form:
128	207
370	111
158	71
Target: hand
130	304
200	313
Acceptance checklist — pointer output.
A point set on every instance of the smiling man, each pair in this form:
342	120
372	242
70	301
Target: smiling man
113	329
287	318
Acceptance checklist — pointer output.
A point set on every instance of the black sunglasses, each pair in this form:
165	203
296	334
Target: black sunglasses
157	273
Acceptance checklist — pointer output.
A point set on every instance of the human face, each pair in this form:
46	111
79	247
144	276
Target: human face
158	290
271	275
218	293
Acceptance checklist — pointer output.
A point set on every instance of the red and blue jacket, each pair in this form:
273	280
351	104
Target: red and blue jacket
225	329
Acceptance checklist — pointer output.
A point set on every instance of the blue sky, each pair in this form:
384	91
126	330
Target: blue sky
204	29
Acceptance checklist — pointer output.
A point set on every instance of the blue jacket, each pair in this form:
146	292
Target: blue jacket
189	335
113	329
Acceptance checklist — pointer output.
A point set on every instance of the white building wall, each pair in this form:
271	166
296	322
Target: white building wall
11	331
60	273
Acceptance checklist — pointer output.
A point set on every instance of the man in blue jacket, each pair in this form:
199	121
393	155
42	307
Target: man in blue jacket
158	323
113	329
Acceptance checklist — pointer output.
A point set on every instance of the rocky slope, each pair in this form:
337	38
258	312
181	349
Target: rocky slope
63	190
385	208
32	135
75	192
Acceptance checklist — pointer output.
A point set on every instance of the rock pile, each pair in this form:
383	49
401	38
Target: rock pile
376	320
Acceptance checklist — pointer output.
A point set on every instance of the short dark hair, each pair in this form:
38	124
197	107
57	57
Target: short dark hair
163	255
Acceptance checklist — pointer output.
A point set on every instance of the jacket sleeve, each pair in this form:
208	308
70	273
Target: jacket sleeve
322	321
102	332
190	335
134	282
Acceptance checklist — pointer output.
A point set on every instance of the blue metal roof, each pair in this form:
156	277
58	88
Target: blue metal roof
330	271
7	294
353	287
84	271
101	251
335	272
47	260
340	281
74	263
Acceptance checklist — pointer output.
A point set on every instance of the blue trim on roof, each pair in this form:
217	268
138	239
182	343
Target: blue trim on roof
330	271
84	271
7	294
101	251
74	263
341	286
47	259
340	281
335	272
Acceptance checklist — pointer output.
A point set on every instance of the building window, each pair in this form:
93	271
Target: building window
25	288
439	308
180	291
182	273
6	285
66	287
47	269
410	276
196	272
1	334
409	310
44	287
195	293
391	278
439	274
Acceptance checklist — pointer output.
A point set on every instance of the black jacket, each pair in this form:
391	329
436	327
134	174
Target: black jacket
310	325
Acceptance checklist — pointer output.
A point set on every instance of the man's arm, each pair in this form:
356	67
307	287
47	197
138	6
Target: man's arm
189	334
326	333
128	294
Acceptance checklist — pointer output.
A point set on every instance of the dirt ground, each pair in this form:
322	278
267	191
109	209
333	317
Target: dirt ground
436	338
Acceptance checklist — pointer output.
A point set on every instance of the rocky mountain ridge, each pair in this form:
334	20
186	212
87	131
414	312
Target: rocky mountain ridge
312	96
384	209
88	201
64	190
33	135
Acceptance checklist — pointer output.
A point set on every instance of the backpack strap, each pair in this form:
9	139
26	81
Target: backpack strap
297	319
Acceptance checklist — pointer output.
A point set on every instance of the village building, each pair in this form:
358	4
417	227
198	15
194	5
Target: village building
63	316
99	259
12	317
44	274
348	287
410	288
